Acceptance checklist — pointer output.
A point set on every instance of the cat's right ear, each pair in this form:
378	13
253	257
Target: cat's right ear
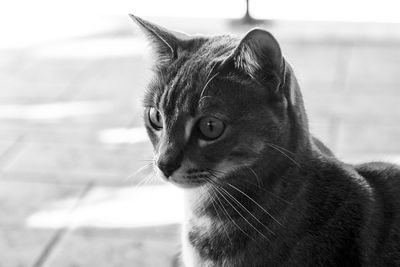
257	53
165	42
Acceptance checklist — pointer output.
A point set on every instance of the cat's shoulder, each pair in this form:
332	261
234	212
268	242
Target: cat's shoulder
379	170
385	179
384	176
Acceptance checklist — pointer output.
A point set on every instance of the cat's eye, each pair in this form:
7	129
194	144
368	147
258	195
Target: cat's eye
155	118
211	128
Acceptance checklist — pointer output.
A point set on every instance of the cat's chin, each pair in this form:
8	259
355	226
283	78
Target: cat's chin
185	183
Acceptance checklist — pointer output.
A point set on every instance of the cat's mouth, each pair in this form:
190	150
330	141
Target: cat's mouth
188	181
186	177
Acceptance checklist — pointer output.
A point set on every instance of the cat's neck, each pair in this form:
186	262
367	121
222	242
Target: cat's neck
237	216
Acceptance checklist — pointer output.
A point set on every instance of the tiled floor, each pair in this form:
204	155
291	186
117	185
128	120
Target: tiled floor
21	246
71	139
119	248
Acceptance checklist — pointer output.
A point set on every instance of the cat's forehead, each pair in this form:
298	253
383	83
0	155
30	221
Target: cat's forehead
185	80
182	93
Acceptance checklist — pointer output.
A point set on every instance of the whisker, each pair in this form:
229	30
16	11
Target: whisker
284	149
145	180
255	202
258	186
220	218
227	214
240	214
205	86
204	97
244	218
243	207
279	149
207	78
255	174
269	192
138	171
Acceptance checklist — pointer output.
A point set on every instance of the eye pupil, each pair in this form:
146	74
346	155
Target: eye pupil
210	125
210	128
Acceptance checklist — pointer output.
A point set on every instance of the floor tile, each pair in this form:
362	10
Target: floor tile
12	63
90	114
51	70
21	247
5	146
123	207
21	90
82	163
9	132
63	134
8	150
152	248
20	201
10	59
48	134
120	78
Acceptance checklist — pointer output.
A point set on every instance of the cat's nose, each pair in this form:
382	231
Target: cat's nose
168	168
170	158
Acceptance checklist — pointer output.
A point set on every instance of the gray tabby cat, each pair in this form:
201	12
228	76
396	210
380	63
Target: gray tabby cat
227	122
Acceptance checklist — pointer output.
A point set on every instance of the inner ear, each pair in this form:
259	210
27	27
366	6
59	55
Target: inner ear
165	42
258	52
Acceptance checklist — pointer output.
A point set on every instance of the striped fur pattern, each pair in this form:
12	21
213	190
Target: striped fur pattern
264	192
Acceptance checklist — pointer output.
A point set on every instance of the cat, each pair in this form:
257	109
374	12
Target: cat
227	122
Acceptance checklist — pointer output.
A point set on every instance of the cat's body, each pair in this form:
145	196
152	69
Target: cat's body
336	218
227	122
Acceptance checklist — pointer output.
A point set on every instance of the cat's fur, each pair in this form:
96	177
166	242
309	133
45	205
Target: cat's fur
265	193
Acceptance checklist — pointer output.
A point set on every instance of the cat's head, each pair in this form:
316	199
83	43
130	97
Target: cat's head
215	104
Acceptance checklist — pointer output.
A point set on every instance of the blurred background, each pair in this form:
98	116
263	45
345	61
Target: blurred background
75	187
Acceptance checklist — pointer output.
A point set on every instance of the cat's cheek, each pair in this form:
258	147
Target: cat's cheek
229	166
202	143
256	147
154	137
214	152
225	168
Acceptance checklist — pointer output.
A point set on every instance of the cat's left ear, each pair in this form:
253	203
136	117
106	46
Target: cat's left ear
257	53
165	42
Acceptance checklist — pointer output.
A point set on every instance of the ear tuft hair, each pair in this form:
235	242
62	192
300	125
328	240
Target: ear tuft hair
256	51
164	41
